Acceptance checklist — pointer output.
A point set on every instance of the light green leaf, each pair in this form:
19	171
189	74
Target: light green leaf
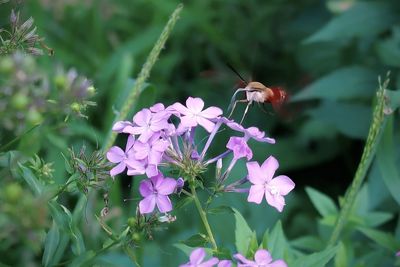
317	259
345	83
321	202
341	258
31	180
381	238
311	243
277	244
197	240
51	244
386	162
364	19
243	233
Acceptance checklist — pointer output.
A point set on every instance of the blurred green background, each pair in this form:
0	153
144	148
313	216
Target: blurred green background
326	54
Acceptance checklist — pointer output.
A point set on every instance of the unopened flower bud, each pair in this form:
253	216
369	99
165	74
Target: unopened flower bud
34	117
179	185
19	101
91	91
218	168
6	65
132	222
75	107
61	82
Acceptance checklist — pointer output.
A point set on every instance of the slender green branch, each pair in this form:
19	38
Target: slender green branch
374	136
144	74
203	217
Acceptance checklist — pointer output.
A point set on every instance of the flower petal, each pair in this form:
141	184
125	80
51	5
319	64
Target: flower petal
118	169
255	175
211	112
256	194
188	121
180	108
283	183
262	257
278	263
269	168
208	125
195	104
163	203
146	188
209	263
151	170
197	256
120	125
147	204
129	143
243	260
143	117
167	186
275	201
115	154
225	263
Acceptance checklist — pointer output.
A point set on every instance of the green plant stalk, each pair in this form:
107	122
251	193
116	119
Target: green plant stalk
374	136
144	74
203	217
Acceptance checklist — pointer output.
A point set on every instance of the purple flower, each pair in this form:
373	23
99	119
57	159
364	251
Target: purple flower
119	126
398	253
225	263
193	113
147	124
239	147
117	155
251	132
196	259
155	192
152	150
262	258
264	184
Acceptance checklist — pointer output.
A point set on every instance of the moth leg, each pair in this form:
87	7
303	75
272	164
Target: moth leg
234	106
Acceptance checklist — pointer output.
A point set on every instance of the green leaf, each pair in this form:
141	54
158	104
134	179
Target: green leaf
317	259
321	202
342	257
197	240
344	83
386	161
375	219
50	245
220	209
311	243
243	233
277	244
253	246
84	259
31	180
342	116
381	238
364	19
388	49
78	245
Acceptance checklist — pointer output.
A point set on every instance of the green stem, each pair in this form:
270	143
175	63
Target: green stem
374	135
203	217
144	74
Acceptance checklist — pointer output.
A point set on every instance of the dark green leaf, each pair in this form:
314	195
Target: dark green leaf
381	238
31	180
220	209
277	244
321	202
311	243
317	259
352	23
344	83
198	240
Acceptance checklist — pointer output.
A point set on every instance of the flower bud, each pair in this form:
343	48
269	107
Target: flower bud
61	82
13	192
75	107
19	101
6	65
132	222
34	117
91	91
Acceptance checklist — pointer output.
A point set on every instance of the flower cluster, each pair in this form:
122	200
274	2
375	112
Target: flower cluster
160	138
262	258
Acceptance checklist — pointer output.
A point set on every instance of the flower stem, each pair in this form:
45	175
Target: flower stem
374	136
203	217
144	74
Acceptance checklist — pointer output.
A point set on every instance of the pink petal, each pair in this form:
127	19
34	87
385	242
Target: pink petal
132	129
118	169
155	157
141	150
209	263
211	112
151	170
180	108
163	203
147	204
157	107
208	125
156	180
130	142
262	257
197	256
146	188
255	174
188	121
143	117
115	154
283	183
275	201
269	167
120	125
243	260
195	105
167	186
256	194
225	263
146	134
278	263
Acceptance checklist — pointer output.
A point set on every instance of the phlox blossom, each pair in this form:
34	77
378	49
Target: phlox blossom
262	258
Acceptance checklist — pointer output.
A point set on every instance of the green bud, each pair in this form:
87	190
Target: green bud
19	101
34	117
6	65
76	107
13	192
61	82
132	222
136	237
91	91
